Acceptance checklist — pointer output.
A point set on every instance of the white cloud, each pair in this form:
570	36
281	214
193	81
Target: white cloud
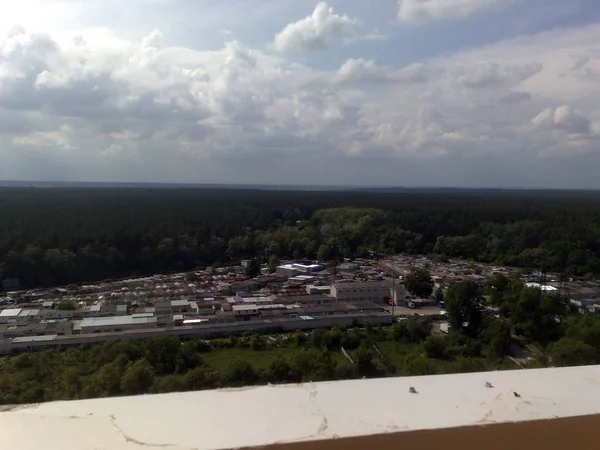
492	74
421	11
316	31
144	109
59	138
112	150
361	70
563	118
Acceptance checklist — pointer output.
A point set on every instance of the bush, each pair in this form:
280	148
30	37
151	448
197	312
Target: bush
138	377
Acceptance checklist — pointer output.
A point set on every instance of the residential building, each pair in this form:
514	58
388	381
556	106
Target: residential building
180	306
399	295
374	291
245	311
311	289
287	270
245	286
163	313
302	279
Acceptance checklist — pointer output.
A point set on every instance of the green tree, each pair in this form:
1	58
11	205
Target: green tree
241	372
169	383
420	365
418	328
412	330
323	368
191	277
188	356
326	252
202	378
584	328
162	353
364	359
419	283
109	377
273	263
465	365
495	288
464	304
257	343
317	337
279	370
299	338
496	334
138	377
435	346
539	315
66	305
253	268
571	352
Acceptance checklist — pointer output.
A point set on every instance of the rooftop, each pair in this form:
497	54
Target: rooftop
146	318
543	287
251	307
49	337
361	284
29	312
13	312
175	303
269	415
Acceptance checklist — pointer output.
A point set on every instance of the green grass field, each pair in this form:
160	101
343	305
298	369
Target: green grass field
396	353
222	359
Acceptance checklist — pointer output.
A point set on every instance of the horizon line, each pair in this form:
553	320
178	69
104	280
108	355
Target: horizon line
274	186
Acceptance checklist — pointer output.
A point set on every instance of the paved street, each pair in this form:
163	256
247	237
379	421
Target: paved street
424	311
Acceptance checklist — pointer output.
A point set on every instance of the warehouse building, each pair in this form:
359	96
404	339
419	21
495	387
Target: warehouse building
91	325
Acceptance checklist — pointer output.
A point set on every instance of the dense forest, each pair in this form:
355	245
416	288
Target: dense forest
478	340
59	236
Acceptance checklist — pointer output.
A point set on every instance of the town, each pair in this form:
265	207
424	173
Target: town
221	301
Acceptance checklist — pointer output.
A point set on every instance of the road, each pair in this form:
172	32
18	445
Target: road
424	311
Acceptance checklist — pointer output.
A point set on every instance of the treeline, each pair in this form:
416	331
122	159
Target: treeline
62	236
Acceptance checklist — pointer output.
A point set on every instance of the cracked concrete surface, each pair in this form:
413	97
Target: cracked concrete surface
128	438
259	416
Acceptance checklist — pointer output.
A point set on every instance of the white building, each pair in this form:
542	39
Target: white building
311	289
542	287
308	268
290	270
117	323
18	315
287	270
374	291
245	310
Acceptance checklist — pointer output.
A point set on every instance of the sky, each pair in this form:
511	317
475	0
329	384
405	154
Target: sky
449	93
